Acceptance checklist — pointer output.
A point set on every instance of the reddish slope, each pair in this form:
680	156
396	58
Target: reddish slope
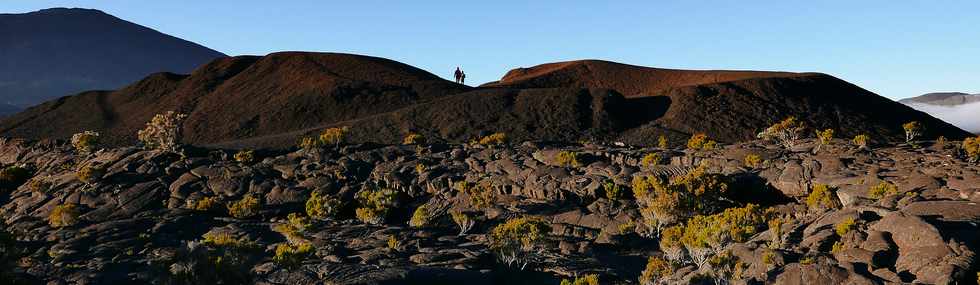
241	97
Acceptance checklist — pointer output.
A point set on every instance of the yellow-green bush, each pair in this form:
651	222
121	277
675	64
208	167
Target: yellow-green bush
662	142
844	227
420	218
293	228
884	188
913	130
320	206
462	220
375	205
394	243
824	138
206	204
309	143
515	240
588	279
334	136
786	133
821	197
247	207
664	203
971	146
657	269
861	141
64	215
481	195
85	142
567	159
223	239
700	142
613	190
292	255
650	159
90	173
163	131
706	235
39	185
752	160
670	242
494	139
413	138
245	156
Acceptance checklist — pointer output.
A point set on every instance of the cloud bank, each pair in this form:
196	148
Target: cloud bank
965	116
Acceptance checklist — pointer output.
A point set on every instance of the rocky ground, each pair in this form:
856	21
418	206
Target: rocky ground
142	220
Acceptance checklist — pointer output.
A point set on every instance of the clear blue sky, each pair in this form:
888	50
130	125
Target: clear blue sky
895	48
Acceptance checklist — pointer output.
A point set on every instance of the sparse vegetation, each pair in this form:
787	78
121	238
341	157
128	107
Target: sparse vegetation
39	185
394	243
567	159
662	142
913	130
246	156
844	227
822	197
776	232
481	195
90	173
413	138
85	142
206	204
650	159
292	255
752	160
665	203
656	271
321	206
971	147
375	205
420	218
588	279
861	141
518	240
704	236
786	133
701	142
64	215
823	138
493	140
613	191
884	188
247	207
334	136
462	220
163	131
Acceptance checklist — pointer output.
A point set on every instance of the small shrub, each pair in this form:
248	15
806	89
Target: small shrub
613	190
413	138
752	160
662	142
90	173
776	232
941	142
657	269
321	206
913	130
309	144
223	239
628	227
567	159
664	203
245	156
884	188
650	159
393	243
824	138
375	205
293	228
844	227
482	196
206	204
807	260
821	197
462	220
769	258
494	139
292	255
971	146
516	240
706	235
163	131
588	279
39	185
12	177
85	142
837	247
786	133
670	242
64	215
861	141
727	267
247	207
420	218
700	142
334	136
419	168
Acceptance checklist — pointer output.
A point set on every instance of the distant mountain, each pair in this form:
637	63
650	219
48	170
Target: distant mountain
273	100
957	108
944	99
58	52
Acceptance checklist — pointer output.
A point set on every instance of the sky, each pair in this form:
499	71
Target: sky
897	49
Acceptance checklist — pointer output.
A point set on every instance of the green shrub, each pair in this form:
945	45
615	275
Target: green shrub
515	240
824	138
662	142
664	203
12	177
163	131
613	191
971	146
567	159
657	269
671	244
394	243
884	188
321	206
481	196
207	204
650	159
588	279
334	136
245	156
494	139
786	133
420	218
375	205
293	228
844	227
700	142
90	173
462	220
706	235
64	215
861	141
413	138
85	142
821	197
913	130
247	207
292	255
752	160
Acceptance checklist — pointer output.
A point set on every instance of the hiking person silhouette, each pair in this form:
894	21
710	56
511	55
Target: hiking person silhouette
462	77
459	74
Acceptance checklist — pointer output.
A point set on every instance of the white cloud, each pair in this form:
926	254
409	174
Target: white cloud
965	116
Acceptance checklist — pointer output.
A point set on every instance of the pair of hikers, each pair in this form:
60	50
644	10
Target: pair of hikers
460	76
